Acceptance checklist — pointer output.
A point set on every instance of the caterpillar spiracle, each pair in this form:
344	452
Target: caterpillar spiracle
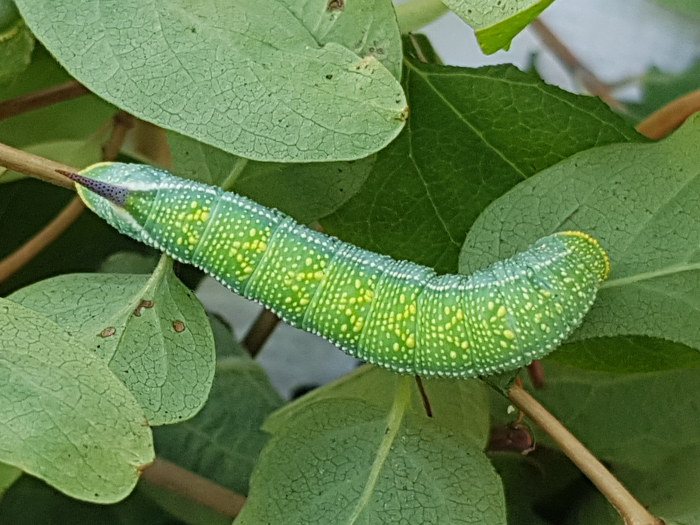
395	314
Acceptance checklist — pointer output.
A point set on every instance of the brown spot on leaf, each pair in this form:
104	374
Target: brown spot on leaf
107	332
141	306
335	5
179	326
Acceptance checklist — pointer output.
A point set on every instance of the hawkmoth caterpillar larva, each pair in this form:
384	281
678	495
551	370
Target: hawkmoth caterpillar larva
395	314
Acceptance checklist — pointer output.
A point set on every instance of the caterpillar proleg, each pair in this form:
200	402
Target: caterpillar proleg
395	314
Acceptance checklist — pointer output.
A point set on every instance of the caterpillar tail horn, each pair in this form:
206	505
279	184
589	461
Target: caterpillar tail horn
115	194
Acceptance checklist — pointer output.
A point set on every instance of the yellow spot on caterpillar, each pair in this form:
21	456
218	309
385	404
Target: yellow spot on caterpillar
303	301
348	312
287	300
248	269
504	344
179	241
491	305
318	275
460	314
193	204
253	232
396	347
453	354
412	308
402	298
205	216
509	334
447	310
344	328
501	311
309	261
358	283
464	345
262	246
411	341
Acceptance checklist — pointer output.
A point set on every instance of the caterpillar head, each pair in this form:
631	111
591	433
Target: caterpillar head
590	253
110	189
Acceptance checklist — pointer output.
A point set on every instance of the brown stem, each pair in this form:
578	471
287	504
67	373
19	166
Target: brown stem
424	397
35	166
41	98
41	240
416	46
168	475
632	512
262	328
536	373
123	122
592	84
670	117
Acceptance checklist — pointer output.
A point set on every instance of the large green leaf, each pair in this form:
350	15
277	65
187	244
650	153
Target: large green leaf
637	420
496	22
307	192
354	462
151	330
641	203
223	441
473	135
366	27
65	417
459	405
246	76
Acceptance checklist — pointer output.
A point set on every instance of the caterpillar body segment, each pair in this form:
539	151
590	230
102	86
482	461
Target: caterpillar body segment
395	314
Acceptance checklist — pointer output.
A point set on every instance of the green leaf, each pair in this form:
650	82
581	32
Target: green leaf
627	355
414	14
222	442
496	22
246	76
462	406
638	420
30	502
640	202
65	418
354	462
472	136
307	192
75	119
16	42
365	27
150	329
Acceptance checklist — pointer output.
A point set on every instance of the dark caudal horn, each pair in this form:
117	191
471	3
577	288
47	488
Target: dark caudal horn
114	194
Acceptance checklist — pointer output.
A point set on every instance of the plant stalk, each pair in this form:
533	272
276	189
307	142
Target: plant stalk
631	511
670	117
41	98
165	474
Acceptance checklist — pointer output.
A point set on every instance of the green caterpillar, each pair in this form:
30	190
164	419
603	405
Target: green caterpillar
395	314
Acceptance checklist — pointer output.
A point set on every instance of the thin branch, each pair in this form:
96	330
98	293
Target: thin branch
424	397
205	492
261	330
592	84
41	98
35	166
536	373
632	512
123	122
670	117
